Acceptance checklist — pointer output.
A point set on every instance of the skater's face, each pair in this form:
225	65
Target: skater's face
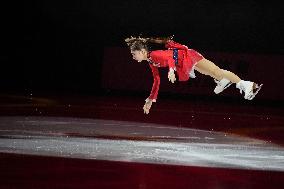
139	55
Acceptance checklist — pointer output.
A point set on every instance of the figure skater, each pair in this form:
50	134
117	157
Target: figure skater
184	61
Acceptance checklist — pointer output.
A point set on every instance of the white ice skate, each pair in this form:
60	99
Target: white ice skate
221	85
248	87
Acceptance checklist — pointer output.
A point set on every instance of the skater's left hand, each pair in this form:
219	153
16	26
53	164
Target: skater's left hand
147	106
171	76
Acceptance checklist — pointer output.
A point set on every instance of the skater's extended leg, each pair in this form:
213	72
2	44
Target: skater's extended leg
209	68
225	78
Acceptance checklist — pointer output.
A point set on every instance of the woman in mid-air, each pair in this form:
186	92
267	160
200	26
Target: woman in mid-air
182	60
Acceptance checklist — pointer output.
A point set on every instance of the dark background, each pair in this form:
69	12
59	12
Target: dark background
58	46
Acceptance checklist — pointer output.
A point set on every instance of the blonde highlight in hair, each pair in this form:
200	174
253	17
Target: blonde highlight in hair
139	43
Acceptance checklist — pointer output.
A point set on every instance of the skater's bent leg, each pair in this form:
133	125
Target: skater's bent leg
201	71
206	66
231	76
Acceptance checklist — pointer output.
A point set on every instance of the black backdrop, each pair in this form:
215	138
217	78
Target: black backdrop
51	45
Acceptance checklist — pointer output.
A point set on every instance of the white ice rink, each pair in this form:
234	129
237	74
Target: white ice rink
135	142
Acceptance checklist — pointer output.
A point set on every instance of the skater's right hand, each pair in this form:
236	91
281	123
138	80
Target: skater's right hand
147	106
171	76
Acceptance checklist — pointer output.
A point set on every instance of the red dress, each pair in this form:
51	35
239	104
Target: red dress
186	58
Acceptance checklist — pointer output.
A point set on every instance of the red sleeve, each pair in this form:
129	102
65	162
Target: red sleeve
174	45
171	63
156	83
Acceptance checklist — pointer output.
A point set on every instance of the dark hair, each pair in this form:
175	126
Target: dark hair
139	43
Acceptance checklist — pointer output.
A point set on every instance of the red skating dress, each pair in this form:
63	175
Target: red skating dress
178	57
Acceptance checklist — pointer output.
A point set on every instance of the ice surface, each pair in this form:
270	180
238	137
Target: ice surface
135	142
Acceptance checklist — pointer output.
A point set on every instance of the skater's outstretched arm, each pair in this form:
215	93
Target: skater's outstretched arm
155	89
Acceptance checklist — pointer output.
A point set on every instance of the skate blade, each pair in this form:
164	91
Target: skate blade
255	93
228	85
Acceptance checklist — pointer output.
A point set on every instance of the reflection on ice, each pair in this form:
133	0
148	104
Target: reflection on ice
81	138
